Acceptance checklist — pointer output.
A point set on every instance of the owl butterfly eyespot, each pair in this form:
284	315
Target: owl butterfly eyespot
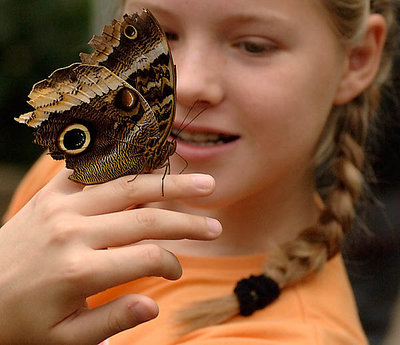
126	100
110	115
130	32
74	139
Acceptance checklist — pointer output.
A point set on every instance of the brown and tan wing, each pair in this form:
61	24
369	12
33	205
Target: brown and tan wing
94	120
136	49
67	88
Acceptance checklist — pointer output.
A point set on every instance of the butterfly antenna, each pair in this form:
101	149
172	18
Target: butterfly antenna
191	121
183	127
187	115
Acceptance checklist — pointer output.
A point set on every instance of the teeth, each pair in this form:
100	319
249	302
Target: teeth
198	137
202	138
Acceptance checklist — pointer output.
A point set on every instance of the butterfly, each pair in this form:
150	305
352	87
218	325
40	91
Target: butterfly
110	115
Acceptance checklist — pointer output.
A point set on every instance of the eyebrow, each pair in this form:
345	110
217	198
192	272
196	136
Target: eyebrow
267	19
240	18
134	6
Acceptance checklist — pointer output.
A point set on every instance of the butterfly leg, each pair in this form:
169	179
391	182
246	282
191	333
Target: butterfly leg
166	171
186	162
138	173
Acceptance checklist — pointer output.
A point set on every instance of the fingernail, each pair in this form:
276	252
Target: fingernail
214	226
205	182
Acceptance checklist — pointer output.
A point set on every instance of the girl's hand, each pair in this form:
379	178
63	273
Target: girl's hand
53	256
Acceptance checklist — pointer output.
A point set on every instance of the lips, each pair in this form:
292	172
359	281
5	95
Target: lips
202	138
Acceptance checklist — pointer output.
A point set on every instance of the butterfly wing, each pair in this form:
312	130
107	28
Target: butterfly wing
136	49
112	114
94	119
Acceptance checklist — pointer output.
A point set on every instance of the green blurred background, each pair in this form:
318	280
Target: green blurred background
37	37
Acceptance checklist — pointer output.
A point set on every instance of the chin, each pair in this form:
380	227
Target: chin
220	199
207	203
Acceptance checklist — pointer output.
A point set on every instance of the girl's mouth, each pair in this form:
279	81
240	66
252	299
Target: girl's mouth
202	138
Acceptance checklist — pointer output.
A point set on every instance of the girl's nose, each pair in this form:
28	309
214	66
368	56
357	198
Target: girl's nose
199	78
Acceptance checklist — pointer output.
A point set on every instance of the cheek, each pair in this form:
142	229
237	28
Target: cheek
295	99
285	115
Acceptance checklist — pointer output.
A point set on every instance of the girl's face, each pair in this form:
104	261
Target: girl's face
267	72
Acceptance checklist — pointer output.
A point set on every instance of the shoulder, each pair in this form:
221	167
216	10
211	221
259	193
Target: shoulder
318	311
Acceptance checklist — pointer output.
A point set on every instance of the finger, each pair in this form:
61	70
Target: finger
61	183
113	267
109	319
121	193
123	228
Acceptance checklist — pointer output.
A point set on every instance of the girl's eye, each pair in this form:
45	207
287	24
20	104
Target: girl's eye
252	47
171	36
255	48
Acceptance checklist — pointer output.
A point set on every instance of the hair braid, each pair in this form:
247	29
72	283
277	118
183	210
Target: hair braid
315	245
344	149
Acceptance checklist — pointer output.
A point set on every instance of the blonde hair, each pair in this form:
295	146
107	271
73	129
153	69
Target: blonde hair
341	159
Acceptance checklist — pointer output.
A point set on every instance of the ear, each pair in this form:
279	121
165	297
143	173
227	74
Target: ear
363	59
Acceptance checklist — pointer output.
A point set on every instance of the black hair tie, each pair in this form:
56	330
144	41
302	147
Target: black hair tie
256	293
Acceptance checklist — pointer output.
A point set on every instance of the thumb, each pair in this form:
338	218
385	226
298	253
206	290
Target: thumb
93	326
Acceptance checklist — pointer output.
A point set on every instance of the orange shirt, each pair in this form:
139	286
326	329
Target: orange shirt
318	311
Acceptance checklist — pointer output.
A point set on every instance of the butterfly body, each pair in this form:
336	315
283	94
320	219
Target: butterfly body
110	115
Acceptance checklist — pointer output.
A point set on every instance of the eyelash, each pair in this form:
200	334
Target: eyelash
254	48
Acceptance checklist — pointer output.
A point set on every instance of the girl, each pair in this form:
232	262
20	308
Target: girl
290	87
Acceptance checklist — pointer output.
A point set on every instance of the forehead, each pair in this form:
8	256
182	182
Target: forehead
226	8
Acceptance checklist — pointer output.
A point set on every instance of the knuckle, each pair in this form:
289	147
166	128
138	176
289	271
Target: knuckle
177	181
126	186
116	323
46	204
64	230
74	269
175	185
153	255
146	218
42	196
